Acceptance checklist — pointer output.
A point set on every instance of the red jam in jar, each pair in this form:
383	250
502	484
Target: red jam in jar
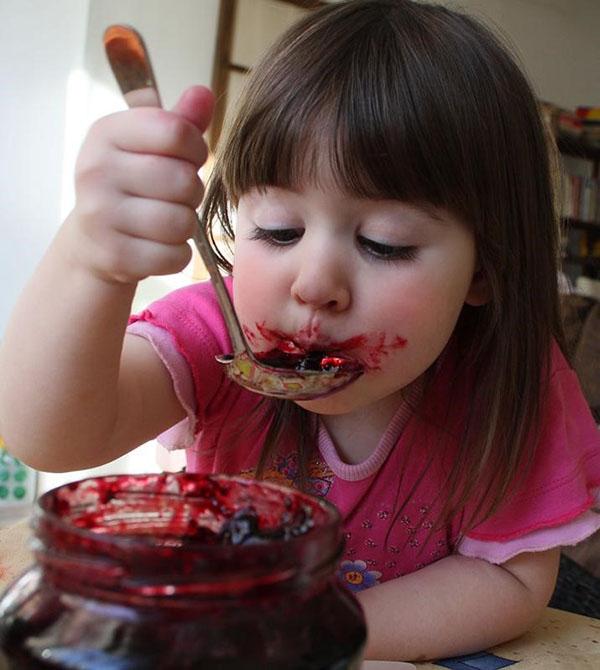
178	571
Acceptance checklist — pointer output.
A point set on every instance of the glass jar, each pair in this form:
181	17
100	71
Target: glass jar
181	571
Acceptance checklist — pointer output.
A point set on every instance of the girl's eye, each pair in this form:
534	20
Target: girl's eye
277	237
387	252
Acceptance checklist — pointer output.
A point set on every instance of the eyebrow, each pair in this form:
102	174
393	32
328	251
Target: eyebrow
430	211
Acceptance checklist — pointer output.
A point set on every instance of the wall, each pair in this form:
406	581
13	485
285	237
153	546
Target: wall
55	82
41	42
557	41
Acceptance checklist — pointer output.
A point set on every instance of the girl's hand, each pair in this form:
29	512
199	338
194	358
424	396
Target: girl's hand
137	189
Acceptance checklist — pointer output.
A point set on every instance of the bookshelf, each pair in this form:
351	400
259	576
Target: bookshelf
580	206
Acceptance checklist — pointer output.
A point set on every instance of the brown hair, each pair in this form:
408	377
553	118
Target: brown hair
416	102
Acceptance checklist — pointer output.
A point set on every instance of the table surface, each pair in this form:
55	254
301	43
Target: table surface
560	641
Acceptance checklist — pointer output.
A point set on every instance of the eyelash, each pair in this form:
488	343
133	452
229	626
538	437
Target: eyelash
278	237
386	252
283	237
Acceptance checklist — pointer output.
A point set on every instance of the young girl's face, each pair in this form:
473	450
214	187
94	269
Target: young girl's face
379	280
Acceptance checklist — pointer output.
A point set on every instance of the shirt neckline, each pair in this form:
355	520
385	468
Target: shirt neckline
353	472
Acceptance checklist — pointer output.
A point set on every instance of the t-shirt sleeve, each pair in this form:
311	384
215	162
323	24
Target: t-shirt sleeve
557	503
563	535
187	331
182	434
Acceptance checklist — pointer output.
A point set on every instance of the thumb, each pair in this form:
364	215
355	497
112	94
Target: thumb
196	104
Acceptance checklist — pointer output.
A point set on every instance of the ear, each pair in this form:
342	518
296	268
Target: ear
479	292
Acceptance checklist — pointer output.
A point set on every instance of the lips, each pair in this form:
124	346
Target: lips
302	342
367	350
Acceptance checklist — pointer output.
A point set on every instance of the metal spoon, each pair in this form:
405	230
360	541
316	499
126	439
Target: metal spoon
130	63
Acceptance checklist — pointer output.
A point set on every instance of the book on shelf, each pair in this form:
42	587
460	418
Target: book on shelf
580	189
590	124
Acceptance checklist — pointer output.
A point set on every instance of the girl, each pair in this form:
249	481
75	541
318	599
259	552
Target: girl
390	182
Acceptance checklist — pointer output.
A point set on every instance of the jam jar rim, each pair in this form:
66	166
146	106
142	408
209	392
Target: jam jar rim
42	513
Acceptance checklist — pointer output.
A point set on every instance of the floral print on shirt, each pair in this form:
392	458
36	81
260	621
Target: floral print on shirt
286	471
355	576
380	544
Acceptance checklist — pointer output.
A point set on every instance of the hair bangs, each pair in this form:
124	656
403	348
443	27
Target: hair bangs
357	116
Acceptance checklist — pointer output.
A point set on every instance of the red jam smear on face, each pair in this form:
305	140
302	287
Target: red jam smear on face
364	351
287	353
181	571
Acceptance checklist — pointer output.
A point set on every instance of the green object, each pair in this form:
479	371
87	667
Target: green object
18	483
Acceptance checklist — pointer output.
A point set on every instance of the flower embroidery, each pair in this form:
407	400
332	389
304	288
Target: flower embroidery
356	577
285	470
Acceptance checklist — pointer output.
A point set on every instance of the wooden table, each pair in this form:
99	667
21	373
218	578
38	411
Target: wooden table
561	640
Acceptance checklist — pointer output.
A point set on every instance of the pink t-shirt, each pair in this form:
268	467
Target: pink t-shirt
390	501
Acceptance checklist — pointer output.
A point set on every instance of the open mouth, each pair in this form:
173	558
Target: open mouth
318	361
292	353
301	352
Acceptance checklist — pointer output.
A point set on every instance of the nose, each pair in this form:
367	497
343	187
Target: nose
322	283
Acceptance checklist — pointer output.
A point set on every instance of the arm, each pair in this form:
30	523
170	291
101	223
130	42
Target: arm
457	606
74	392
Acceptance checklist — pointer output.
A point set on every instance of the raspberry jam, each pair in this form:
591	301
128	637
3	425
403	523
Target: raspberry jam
311	360
178	571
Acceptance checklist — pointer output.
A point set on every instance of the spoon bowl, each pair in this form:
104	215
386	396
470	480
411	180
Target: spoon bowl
130	63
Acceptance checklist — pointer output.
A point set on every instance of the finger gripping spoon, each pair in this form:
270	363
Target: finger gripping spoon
288	377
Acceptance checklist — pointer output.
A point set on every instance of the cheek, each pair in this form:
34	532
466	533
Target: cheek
423	312
248	294
427	305
255	285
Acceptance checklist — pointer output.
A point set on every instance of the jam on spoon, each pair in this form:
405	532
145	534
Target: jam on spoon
311	360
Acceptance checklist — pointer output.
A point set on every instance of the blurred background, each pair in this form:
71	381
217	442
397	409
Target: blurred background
55	82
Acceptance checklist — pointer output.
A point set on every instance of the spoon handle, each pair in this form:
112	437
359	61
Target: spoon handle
130	63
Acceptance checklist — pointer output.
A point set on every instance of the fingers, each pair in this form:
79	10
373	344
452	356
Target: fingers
129	259
151	131
137	189
157	221
130	238
196	104
158	178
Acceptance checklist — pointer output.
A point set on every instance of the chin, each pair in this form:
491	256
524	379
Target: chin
344	401
326	406
367	391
